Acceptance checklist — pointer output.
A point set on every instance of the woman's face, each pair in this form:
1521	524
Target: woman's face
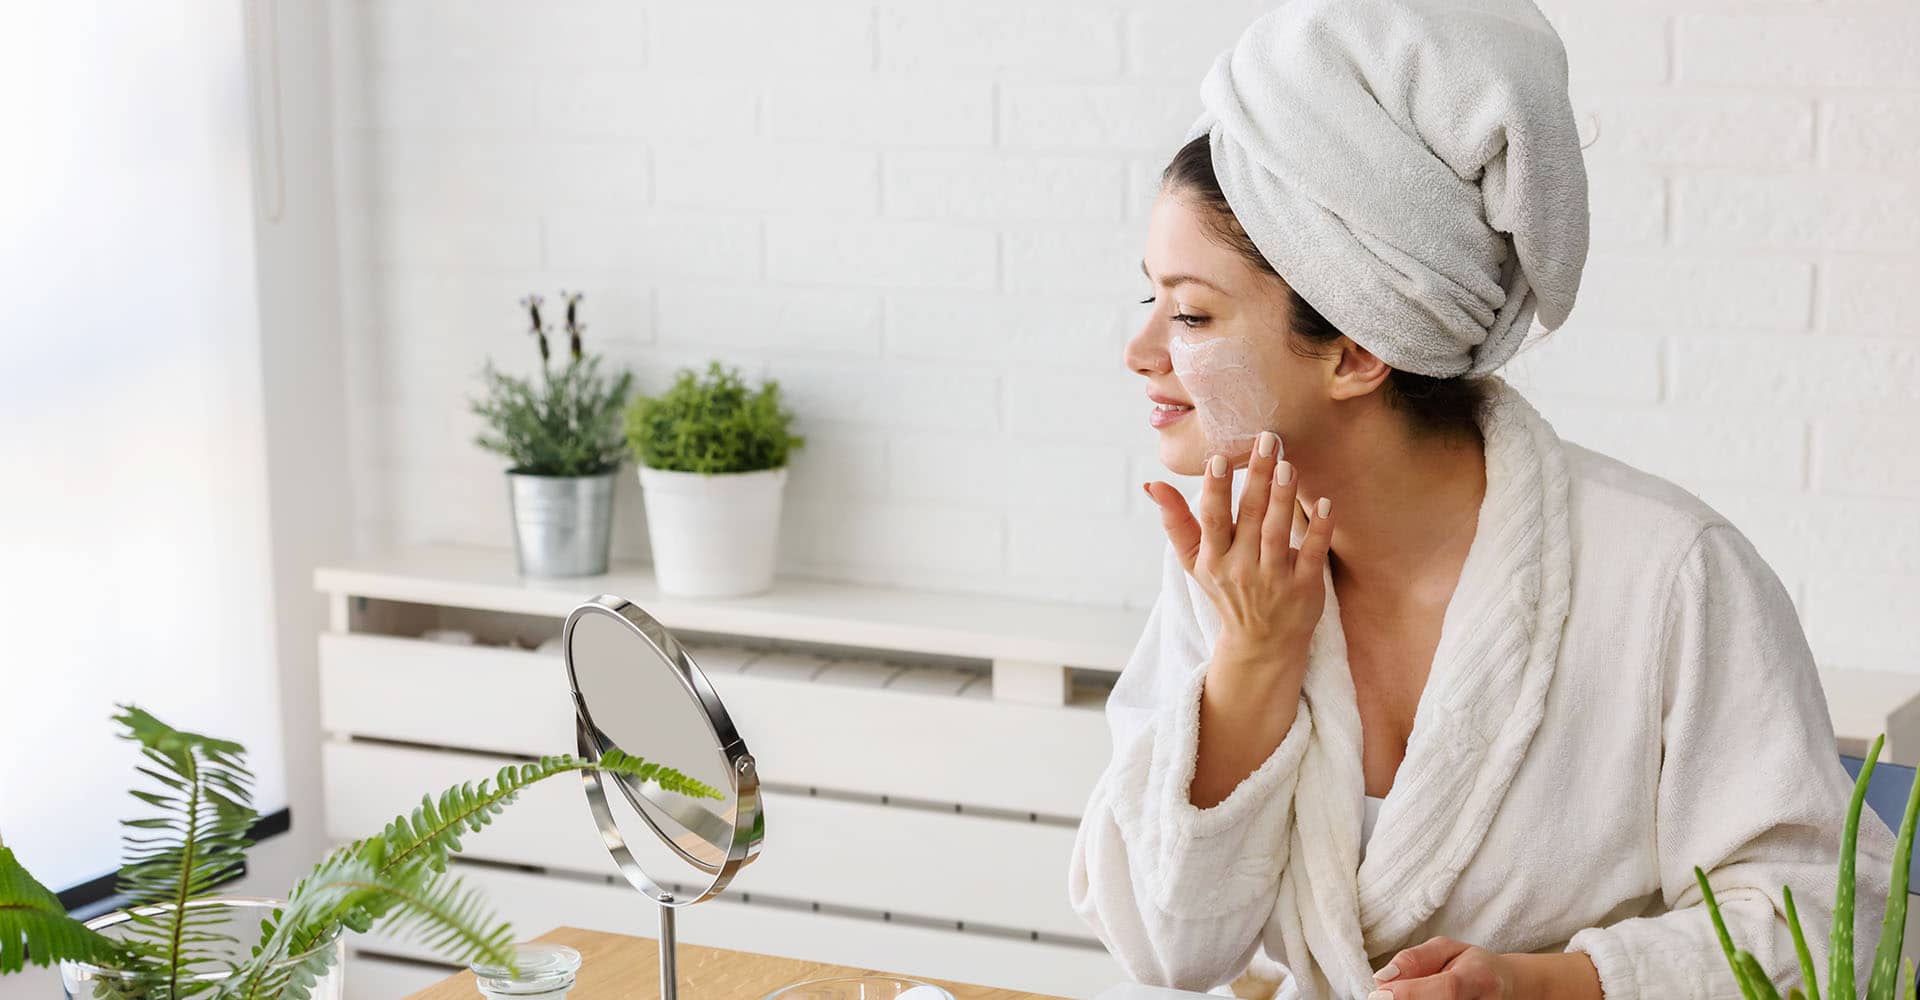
1215	342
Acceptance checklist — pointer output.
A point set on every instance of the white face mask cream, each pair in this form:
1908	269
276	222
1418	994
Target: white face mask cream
1233	403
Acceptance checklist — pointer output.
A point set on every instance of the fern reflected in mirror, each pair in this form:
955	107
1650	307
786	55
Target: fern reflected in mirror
176	938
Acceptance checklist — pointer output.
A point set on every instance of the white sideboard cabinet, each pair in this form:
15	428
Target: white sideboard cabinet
926	758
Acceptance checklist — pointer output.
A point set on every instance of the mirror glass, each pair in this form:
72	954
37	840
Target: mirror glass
637	690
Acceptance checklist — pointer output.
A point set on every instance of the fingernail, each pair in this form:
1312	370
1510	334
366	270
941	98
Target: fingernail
1326	505
1217	466
1267	440
1148	490
1283	473
1387	974
1380	995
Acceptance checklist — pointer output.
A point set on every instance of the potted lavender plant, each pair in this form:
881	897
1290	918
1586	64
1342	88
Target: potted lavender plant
561	432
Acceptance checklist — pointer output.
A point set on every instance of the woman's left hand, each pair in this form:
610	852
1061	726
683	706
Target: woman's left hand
1444	969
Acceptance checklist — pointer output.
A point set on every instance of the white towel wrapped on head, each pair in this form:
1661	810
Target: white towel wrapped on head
1411	167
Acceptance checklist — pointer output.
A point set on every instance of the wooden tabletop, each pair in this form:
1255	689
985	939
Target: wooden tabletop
618	967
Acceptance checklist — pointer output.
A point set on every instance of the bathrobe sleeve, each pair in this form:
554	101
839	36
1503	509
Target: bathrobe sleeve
1751	790
1179	895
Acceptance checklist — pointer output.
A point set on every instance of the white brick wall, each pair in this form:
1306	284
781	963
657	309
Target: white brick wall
924	217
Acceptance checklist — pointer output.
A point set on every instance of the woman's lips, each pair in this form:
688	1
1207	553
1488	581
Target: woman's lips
1166	413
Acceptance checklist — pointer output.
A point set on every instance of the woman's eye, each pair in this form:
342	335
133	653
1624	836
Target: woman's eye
1189	319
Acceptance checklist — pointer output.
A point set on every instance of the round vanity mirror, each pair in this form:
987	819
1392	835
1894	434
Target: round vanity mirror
636	690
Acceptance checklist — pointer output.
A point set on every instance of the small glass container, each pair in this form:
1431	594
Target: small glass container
546	972
862	988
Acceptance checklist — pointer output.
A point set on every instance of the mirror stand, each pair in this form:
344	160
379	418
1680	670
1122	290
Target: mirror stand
669	950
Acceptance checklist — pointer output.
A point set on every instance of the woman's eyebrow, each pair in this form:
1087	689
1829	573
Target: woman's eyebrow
1175	279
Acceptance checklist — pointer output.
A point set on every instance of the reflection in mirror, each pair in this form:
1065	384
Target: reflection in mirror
670	867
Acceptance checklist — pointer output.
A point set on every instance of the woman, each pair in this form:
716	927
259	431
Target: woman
1442	706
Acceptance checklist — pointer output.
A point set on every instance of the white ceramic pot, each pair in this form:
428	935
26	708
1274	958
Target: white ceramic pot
713	535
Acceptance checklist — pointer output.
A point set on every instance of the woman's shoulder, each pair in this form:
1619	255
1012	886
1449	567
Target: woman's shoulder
1652	554
1650	557
1636	521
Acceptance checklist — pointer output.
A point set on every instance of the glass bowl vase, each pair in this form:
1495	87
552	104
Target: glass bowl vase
233	921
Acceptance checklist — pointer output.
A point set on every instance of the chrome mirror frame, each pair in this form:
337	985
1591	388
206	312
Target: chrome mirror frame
749	823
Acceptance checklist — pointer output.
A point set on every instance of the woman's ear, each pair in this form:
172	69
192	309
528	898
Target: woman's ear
1357	372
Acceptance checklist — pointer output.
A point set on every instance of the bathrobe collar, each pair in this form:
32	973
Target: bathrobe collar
1483	700
1487	691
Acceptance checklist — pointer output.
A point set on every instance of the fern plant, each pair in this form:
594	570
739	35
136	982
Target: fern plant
711	425
34	926
396	880
197	840
1891	976
563	422
381	877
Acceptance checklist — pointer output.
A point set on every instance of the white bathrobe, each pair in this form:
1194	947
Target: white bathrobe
1622	691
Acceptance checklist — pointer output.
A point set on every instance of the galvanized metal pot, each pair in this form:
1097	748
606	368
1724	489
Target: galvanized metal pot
562	525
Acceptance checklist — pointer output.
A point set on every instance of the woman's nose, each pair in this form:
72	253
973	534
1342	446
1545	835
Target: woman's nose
1146	351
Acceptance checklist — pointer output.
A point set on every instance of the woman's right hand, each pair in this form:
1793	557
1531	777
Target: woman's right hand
1269	595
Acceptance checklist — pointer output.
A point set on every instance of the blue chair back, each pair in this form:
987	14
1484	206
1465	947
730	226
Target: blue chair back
1887	797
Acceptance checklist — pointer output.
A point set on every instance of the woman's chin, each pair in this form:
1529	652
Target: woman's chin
1182	457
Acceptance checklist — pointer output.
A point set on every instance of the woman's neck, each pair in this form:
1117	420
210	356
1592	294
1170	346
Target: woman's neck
1406	504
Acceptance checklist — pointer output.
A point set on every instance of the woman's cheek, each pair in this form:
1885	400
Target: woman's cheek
1233	403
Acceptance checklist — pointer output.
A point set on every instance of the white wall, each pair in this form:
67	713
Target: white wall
924	218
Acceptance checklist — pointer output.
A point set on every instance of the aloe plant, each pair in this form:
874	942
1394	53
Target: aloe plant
1891	976
196	839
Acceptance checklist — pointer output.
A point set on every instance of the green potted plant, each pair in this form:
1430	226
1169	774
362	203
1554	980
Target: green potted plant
178	938
1891	976
560	432
713	465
